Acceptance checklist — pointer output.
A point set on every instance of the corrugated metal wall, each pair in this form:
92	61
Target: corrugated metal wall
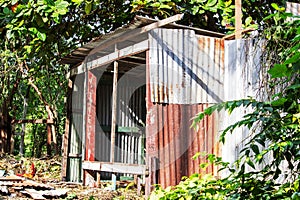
176	142
76	128
185	75
185	68
131	114
242	80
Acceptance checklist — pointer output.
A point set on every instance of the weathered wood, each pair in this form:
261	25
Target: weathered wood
233	35
34	194
98	179
114	112
114	167
67	132
4	189
90	121
119	54
238	19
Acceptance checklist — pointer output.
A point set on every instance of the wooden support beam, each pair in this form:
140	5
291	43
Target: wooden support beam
90	121
238	19
114	167
65	141
233	35
114	112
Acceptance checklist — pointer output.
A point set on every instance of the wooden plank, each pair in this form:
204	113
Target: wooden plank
74	155
77	70
124	129
34	194
122	53
115	167
114	112
238	19
233	35
90	116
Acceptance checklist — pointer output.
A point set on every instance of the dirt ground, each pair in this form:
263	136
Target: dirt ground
31	178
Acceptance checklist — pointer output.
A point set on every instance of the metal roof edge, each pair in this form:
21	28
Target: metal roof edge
78	55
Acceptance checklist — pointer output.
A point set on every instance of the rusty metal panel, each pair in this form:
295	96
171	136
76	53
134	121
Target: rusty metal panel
185	68
177	142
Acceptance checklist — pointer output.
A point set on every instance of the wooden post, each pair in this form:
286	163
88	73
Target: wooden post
65	142
90	117
90	126
238	19
114	112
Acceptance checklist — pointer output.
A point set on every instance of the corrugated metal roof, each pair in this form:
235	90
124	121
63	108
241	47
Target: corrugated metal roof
78	55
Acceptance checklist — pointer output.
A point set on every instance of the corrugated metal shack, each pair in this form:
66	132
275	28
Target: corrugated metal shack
133	93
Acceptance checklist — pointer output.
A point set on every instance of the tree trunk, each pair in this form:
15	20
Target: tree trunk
5	129
25	105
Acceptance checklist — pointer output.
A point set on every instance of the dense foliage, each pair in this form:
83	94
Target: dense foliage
273	149
35	35
214	15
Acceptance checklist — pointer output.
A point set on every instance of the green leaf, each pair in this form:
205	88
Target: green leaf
61	7
248	21
78	2
6	11
211	3
162	6
228	3
279	102
278	71
293	59
250	163
156	5
255	148
276	7
41	36
88	7
196	156
33	30
294	87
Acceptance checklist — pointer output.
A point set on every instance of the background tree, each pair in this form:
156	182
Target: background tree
35	35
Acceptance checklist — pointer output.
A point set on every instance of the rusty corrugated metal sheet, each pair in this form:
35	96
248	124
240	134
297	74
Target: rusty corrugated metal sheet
293	8
185	76
185	68
176	142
